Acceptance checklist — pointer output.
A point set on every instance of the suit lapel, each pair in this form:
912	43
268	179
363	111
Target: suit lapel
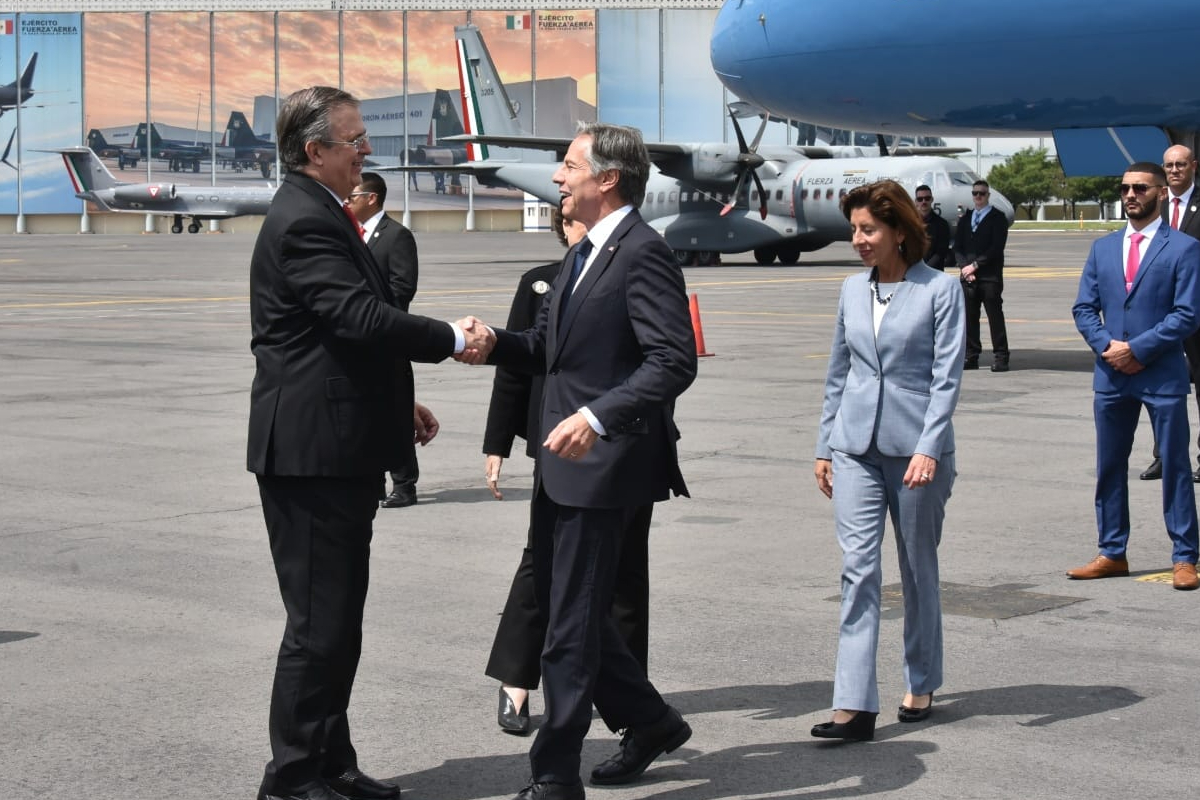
600	264
360	254
1153	249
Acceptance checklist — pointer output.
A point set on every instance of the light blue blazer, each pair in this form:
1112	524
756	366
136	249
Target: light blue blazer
1154	316
897	390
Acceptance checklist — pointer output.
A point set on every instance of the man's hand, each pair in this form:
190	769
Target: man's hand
823	470
572	438
1119	356
968	272
491	471
425	425
480	339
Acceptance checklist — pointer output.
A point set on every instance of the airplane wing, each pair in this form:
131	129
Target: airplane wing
659	151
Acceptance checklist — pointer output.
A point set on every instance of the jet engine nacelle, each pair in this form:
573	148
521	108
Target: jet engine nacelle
145	192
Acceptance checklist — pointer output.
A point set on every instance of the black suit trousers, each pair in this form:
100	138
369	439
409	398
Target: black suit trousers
986	294
585	660
516	657
409	471
320	535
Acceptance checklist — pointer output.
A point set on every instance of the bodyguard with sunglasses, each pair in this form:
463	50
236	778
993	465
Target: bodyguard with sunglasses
979	251
1138	301
939	254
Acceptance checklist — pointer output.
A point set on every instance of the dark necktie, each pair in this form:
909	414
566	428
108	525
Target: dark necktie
581	257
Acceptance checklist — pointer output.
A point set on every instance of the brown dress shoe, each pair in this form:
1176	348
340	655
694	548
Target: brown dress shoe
1185	576
1101	567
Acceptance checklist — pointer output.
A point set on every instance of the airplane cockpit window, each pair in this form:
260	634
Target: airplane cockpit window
943	181
963	178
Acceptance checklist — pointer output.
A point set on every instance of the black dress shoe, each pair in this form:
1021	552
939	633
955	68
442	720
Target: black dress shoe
400	498
640	746
510	718
354	785
906	714
321	792
971	363
545	790
1154	471
860	728
1000	366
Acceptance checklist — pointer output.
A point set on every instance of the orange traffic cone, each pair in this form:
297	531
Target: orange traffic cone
697	328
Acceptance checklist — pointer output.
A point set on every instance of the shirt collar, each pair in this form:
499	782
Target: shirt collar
1184	198
1147	231
370	225
603	229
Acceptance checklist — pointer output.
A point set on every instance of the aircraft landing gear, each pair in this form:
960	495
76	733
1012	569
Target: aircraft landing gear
177	224
265	168
789	254
194	227
764	256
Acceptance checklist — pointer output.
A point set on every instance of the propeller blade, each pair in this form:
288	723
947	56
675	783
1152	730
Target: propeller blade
883	151
737	191
758	136
762	194
737	128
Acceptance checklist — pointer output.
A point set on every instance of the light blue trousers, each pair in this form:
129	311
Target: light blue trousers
867	489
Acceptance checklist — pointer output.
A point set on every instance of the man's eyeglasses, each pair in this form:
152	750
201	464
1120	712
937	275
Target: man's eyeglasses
360	194
1179	165
975	193
1137	188
357	144
924	199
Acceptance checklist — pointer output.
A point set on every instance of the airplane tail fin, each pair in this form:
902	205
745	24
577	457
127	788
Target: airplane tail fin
238	132
86	170
8	149
27	75
486	107
140	139
96	140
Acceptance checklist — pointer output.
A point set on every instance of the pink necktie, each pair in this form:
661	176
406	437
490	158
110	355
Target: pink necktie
1175	214
1133	260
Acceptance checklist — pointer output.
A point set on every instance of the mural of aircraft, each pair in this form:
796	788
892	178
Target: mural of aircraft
1023	68
94	183
18	92
711	198
443	122
241	148
126	156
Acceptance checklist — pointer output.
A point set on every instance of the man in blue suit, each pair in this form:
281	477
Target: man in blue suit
1137	303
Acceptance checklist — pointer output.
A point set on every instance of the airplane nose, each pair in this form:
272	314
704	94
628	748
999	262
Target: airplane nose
729	48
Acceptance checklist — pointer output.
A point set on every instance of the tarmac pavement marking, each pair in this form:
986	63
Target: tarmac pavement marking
1156	577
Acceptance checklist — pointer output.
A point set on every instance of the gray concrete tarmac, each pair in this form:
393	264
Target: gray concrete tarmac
139	616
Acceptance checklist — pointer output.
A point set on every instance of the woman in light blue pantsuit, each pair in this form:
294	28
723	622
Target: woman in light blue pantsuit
886	438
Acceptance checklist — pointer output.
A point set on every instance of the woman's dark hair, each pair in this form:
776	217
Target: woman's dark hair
889	203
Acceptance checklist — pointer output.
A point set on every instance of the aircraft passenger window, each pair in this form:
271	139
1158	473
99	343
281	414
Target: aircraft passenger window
779	194
672	197
662	197
829	193
214	198
754	196
841	193
803	195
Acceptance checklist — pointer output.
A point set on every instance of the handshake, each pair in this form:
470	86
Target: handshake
480	339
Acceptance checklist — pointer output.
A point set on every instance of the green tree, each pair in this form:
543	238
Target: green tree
1027	178
1100	189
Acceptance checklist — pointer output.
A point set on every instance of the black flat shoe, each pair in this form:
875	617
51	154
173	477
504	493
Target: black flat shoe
906	714
861	728
510	718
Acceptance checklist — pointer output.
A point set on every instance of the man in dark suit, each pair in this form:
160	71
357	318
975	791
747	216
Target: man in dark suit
326	334
514	410
616	343
1180	212
979	242
937	229
395	250
1139	297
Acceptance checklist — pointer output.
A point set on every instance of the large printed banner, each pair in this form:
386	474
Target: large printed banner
45	83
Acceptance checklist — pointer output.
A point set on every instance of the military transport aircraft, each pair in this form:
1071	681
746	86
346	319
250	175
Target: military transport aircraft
18	92
1020	67
711	198
93	182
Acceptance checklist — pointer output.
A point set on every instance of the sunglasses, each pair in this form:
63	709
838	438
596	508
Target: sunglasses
1138	188
925	199
978	194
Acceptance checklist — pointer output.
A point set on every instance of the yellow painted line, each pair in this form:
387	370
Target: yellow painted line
1156	577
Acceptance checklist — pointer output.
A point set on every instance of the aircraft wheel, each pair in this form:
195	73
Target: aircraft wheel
266	169
684	257
176	228
764	256
789	254
194	227
707	258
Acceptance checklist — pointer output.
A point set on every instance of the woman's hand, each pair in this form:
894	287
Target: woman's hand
920	472
823	470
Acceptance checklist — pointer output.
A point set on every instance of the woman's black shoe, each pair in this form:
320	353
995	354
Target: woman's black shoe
861	728
510	718
906	714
